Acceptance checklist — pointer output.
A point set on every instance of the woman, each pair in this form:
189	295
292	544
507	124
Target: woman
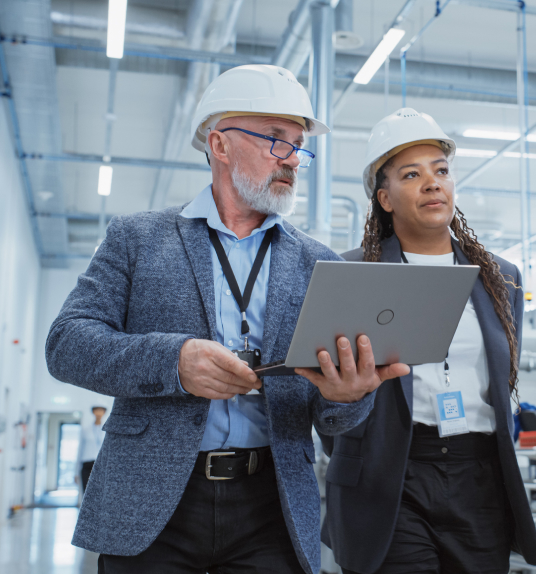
400	498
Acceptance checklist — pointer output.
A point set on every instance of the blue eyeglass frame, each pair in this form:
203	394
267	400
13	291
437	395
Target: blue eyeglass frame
273	140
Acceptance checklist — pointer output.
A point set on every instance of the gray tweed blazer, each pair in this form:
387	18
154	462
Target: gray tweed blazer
147	289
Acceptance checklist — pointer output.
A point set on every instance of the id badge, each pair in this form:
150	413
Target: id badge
253	359
450	414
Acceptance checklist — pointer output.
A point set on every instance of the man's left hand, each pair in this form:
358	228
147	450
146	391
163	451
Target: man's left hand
354	380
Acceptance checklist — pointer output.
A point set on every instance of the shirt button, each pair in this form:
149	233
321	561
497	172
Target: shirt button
230	343
228	292
444	450
238	245
234	399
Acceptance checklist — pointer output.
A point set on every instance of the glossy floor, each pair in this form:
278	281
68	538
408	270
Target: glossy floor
38	541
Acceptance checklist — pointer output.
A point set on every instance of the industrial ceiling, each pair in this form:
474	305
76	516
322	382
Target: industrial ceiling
73	108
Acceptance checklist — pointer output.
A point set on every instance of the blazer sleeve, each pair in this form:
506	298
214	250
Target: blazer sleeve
332	419
87	345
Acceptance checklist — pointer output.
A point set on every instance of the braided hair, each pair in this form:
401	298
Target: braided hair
379	226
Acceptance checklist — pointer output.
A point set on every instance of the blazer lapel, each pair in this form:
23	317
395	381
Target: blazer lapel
495	343
391	254
194	235
283	264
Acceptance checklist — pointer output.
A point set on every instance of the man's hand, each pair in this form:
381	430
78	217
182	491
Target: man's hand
353	381
207	369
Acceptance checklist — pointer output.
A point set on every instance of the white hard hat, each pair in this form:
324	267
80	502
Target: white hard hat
253	90
396	132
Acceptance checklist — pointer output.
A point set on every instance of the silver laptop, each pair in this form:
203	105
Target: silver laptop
409	312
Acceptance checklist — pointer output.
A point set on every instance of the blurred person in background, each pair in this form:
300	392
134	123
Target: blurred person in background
91	439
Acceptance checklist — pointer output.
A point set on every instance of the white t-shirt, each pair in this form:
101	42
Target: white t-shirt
91	439
468	368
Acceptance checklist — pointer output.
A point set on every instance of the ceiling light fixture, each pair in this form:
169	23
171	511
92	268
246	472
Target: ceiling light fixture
105	180
117	16
486	153
496	135
464	152
378	57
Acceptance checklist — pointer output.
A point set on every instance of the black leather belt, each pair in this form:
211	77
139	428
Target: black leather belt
227	464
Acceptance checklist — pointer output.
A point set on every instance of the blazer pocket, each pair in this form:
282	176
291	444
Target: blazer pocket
125	424
344	470
309	451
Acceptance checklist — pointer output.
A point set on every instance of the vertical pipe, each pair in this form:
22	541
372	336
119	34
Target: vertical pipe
110	119
526	106
322	20
102	218
386	87
523	171
403	76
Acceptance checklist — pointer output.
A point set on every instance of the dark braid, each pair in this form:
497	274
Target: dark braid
379	226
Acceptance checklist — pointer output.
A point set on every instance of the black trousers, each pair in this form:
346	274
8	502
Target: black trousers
219	527
454	517
87	467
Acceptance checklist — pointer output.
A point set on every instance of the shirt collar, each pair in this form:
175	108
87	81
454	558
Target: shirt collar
204	207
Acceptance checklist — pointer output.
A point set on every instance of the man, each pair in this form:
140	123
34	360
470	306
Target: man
199	472
91	439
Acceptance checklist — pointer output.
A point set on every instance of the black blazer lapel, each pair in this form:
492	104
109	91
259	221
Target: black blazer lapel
496	345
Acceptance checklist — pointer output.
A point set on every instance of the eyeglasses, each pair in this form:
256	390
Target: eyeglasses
280	148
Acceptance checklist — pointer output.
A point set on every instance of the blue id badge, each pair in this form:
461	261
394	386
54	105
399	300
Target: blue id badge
450	414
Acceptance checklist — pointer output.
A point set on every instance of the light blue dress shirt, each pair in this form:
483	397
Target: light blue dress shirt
241	421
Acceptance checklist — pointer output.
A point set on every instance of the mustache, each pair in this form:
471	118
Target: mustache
284	173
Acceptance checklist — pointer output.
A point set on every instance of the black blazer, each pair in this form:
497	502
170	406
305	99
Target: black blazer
365	477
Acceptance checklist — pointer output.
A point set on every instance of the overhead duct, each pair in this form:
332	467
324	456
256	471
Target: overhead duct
211	27
345	38
33	80
295	46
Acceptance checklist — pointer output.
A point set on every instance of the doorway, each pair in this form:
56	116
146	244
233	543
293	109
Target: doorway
56	461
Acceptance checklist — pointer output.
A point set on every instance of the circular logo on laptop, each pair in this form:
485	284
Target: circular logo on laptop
385	317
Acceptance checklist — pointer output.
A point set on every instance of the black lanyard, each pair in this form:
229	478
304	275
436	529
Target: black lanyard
242	300
455	262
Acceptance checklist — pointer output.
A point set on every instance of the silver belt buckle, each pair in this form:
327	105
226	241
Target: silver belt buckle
208	466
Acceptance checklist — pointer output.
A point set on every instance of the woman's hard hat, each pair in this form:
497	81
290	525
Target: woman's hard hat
403	129
258	90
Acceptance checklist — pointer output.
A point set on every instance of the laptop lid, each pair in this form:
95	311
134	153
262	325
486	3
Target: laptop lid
409	312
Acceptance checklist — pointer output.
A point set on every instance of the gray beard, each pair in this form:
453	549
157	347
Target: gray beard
261	198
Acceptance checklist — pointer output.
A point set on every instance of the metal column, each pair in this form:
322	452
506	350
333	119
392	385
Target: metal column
386	87
319	208
403	76
110	119
523	159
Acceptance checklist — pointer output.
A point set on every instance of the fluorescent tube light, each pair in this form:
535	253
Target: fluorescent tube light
105	180
517	155
378	57
487	153
117	15
461	152
496	135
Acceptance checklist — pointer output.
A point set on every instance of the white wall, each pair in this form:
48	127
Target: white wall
19	284
50	395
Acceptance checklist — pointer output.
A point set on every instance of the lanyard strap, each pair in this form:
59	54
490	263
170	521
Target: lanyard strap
241	300
455	262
